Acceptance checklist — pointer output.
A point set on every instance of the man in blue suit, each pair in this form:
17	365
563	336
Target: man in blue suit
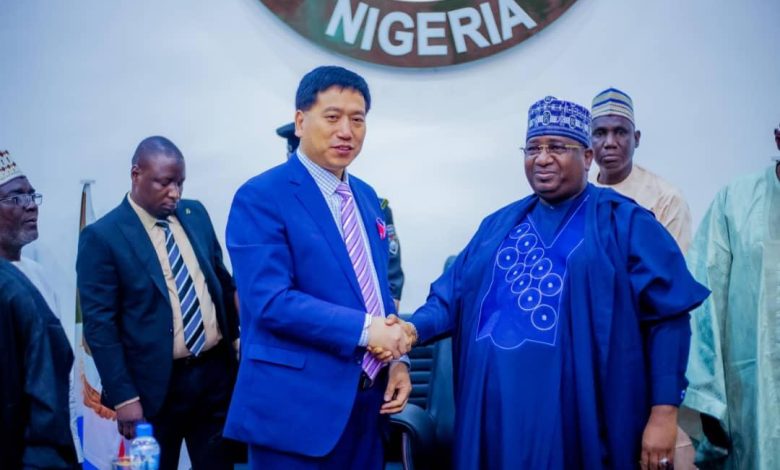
309	250
159	312
395	273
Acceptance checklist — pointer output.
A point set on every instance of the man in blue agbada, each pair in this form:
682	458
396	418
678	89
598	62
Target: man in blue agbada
569	316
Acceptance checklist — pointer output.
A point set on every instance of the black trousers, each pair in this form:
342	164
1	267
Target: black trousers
195	409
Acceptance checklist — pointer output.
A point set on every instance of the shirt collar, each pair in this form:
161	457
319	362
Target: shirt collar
565	204
326	181
147	219
633	176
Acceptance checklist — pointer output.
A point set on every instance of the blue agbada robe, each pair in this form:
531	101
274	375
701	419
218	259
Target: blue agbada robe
579	397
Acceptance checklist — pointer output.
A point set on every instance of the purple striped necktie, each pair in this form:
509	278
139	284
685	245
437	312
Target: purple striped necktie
358	254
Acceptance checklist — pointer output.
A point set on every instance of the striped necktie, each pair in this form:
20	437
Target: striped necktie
358	254
192	319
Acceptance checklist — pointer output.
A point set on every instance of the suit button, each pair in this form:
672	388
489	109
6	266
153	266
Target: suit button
170	331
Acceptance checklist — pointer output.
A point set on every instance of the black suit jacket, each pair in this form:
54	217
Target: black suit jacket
128	323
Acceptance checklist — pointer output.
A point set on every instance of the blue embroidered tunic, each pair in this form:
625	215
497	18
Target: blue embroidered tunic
566	329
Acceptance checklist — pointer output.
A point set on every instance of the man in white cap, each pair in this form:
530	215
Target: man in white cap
615	137
19	226
35	356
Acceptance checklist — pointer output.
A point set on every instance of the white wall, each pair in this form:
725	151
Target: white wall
82	82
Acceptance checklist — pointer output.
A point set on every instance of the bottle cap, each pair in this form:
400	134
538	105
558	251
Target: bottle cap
143	430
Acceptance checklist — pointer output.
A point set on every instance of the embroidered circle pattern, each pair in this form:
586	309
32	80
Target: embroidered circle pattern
523	301
529	274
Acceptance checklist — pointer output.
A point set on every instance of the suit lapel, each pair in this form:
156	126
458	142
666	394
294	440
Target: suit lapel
378	249
312	201
188	219
135	234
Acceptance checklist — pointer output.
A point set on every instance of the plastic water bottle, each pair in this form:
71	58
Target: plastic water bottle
144	450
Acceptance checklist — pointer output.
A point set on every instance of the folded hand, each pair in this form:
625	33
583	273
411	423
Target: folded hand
127	416
399	386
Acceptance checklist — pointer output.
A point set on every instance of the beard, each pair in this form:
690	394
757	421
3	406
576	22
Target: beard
27	236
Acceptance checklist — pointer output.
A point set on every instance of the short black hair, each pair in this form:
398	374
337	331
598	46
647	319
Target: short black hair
156	144
324	77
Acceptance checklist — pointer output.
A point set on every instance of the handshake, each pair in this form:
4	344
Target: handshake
390	338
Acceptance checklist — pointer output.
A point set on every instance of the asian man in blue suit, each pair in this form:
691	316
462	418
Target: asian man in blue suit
309	250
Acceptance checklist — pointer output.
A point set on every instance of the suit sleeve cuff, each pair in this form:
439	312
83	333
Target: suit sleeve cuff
668	390
127	402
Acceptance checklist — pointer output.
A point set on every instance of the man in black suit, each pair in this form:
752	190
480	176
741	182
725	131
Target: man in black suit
159	311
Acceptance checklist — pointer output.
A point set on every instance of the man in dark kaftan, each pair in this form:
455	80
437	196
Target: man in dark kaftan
35	362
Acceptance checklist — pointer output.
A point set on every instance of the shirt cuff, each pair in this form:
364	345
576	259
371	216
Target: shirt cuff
125	403
404	359
363	342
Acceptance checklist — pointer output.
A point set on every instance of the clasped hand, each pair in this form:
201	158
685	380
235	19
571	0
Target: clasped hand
390	338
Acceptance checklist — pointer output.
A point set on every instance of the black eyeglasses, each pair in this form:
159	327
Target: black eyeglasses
24	200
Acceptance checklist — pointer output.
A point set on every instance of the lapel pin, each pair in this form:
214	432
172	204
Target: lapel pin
187	211
380	225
